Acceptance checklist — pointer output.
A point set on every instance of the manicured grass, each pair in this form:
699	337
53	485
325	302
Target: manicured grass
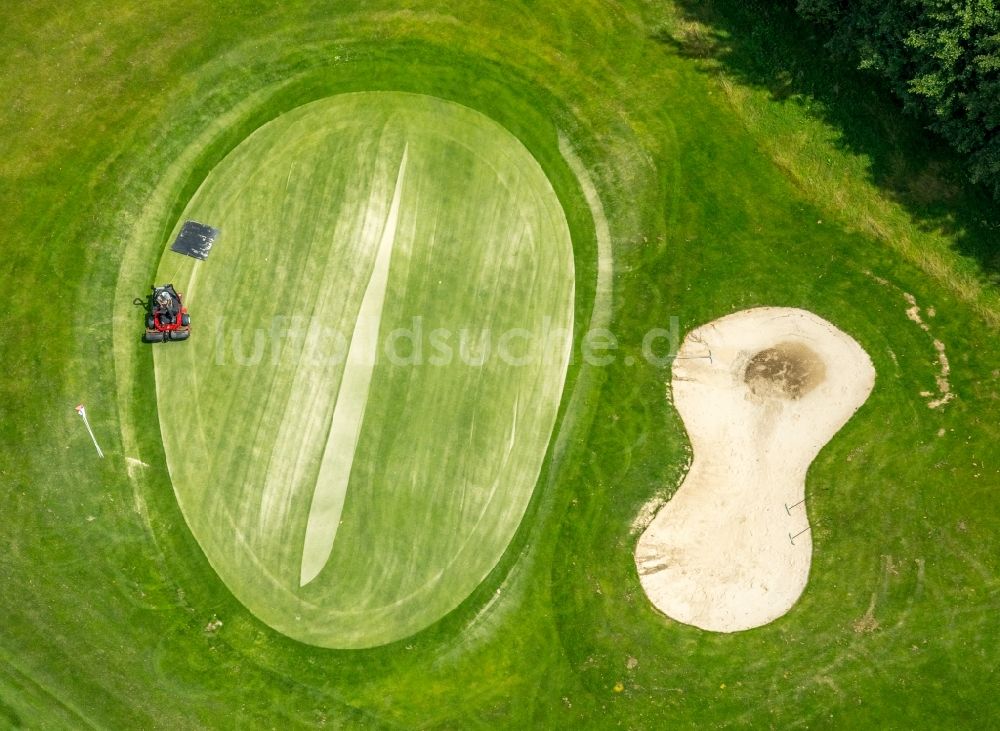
453	416
116	114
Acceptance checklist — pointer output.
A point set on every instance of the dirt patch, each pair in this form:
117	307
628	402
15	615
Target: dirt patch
866	623
945	394
214	625
646	514
133	466
788	370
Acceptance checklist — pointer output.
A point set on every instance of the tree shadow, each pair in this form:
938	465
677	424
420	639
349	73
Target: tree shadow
767	46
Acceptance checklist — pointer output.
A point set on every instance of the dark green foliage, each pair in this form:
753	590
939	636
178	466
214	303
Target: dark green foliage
941	57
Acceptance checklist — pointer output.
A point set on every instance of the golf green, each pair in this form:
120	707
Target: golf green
383	333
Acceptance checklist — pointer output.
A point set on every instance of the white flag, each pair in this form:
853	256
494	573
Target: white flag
83	415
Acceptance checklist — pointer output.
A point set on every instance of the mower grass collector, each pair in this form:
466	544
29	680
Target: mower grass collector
166	316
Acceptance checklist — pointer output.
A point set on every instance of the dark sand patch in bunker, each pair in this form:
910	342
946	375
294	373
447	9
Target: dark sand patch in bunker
789	370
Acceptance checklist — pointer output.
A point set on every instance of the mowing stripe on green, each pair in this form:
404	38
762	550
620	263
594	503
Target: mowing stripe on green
349	412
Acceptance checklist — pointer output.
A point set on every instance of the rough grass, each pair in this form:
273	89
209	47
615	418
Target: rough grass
838	135
110	608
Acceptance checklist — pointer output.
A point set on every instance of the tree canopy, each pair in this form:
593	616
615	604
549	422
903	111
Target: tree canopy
941	57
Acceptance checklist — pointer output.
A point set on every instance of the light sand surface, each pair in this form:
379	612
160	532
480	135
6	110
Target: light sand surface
779	383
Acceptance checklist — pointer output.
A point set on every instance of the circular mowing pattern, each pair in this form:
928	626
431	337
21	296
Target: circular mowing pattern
380	343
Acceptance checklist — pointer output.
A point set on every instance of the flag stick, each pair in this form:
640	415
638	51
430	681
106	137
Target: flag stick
83	415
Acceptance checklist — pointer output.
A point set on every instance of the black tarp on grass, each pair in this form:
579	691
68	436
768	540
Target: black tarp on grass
195	240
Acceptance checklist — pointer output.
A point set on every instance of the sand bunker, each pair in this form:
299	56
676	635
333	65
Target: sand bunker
760	392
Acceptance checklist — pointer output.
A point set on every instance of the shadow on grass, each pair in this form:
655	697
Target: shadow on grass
767	46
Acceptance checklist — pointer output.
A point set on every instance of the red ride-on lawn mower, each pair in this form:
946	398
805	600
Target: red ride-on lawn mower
166	316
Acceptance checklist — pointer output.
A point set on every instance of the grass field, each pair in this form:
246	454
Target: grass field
718	194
